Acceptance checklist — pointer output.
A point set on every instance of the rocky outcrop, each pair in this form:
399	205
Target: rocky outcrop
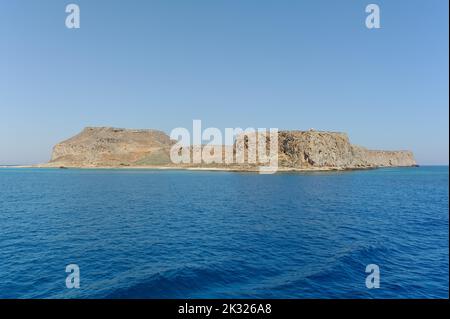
112	147
333	149
106	146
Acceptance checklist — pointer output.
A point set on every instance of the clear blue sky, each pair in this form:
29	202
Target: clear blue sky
247	63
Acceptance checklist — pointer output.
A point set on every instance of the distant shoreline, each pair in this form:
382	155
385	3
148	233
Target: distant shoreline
213	169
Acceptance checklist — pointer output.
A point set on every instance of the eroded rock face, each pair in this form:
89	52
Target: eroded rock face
330	149
321	149
107	146
315	149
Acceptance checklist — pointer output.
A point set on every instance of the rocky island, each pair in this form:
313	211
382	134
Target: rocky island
107	147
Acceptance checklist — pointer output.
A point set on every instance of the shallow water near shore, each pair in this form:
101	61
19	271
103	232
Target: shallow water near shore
198	234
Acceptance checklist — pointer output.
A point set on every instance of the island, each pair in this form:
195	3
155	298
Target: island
108	147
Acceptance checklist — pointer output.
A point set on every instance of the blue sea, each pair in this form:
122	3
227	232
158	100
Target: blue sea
198	234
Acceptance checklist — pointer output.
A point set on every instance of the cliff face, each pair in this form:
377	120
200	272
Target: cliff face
296	149
315	149
333	149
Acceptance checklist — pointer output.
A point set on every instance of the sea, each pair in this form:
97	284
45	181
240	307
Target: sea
126	233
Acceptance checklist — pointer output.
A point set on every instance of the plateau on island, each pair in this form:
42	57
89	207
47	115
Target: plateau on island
107	147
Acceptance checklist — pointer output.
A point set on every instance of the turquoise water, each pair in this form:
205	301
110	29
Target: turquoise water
185	234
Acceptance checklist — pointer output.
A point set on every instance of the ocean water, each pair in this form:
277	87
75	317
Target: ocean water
186	234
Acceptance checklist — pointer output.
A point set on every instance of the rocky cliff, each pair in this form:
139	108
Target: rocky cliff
333	149
112	147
